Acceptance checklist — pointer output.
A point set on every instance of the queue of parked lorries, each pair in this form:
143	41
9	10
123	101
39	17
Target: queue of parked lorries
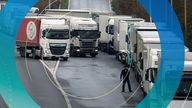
132	40
51	36
137	43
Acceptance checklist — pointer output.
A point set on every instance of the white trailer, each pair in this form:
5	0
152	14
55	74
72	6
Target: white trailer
120	44
110	31
132	35
85	35
104	39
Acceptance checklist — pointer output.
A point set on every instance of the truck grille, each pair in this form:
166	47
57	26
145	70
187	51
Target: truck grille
57	50
87	44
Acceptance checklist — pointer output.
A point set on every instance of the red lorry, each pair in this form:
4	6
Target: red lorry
44	37
28	36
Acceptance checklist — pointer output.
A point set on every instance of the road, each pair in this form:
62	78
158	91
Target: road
93	77
85	78
39	87
96	5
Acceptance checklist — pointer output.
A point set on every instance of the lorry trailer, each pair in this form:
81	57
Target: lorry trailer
120	44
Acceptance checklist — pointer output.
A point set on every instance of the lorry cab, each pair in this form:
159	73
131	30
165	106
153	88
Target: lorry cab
110	30
149	37
54	40
183	96
84	36
149	65
120	44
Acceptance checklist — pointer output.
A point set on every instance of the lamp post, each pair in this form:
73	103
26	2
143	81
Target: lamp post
185	8
49	4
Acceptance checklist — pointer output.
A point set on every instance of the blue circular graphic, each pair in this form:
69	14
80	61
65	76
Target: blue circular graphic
172	55
11	88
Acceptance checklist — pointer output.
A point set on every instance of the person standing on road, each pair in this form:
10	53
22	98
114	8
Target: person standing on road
125	75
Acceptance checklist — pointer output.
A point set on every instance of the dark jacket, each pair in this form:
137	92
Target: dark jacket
125	74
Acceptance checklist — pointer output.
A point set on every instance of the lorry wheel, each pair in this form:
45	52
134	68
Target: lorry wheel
144	94
34	55
65	58
41	54
93	55
22	52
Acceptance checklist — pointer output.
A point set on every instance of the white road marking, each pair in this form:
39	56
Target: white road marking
54	72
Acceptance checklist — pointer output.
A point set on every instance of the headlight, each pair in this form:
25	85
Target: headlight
67	51
96	50
47	51
47	46
78	50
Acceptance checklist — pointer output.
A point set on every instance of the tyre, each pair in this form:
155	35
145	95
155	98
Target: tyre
34	55
65	58
93	55
41	54
22	52
144	94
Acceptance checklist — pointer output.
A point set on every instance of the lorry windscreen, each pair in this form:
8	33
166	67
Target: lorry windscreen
88	34
57	34
184	89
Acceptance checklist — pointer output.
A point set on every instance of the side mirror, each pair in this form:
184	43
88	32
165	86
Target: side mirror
135	48
107	29
147	75
44	33
111	30
126	38
141	64
99	34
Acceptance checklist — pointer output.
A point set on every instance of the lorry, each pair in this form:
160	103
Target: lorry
43	37
109	46
145	39
148	47
183	96
84	36
120	44
131	36
104	39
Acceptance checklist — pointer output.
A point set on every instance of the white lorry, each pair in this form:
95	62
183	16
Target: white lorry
151	63
183	96
110	31
104	39
55	41
84	36
120	32
146	38
46	38
148	48
131	38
